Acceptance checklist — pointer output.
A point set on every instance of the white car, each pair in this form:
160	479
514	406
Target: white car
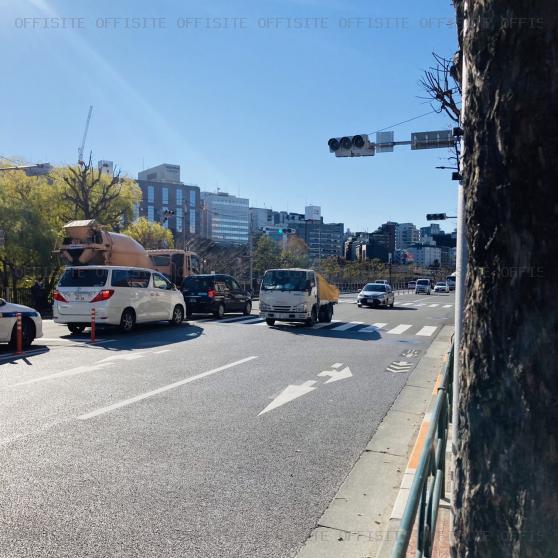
121	296
31	323
441	287
422	286
376	294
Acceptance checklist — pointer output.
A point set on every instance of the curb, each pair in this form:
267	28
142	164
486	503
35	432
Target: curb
358	522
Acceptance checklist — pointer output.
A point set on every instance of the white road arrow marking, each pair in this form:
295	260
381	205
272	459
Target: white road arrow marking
336	375
288	394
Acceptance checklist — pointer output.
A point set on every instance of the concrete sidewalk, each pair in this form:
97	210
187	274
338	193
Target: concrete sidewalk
361	521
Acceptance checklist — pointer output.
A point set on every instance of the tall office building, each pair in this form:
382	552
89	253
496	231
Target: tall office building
162	191
260	217
406	234
225	218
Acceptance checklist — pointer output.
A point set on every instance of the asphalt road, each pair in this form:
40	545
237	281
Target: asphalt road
213	439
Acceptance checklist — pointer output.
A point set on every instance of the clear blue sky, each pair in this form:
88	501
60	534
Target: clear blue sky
246	109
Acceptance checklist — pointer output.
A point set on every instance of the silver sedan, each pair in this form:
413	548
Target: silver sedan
376	295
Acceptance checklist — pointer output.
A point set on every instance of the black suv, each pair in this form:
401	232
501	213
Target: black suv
215	294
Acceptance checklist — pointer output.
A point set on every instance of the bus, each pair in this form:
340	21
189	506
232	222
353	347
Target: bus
450	279
175	264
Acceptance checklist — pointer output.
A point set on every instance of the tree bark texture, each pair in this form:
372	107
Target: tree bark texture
506	486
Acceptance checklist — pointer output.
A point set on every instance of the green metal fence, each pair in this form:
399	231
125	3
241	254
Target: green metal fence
429	483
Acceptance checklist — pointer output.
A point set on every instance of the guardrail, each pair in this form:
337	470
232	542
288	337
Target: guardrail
428	486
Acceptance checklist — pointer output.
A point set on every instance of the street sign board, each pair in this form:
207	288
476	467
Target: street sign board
432	140
384	142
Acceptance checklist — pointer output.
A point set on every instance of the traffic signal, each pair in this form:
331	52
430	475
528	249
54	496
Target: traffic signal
352	146
436	216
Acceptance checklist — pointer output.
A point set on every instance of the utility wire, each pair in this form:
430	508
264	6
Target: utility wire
404	122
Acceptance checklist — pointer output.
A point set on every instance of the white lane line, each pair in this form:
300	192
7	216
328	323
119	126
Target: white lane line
427	331
65	373
161	352
80	342
447	305
406	304
372	328
433	305
399	329
157	391
346	326
421	304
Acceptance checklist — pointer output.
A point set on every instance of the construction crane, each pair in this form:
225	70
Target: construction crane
81	147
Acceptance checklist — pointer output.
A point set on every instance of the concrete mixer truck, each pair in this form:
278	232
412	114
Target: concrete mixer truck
87	243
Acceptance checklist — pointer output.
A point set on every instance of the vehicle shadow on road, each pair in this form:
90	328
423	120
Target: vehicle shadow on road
144	336
8	356
354	334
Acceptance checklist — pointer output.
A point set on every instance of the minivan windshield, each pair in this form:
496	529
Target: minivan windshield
284	280
423	282
83	277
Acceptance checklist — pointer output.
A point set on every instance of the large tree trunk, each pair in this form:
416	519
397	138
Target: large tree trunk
507	468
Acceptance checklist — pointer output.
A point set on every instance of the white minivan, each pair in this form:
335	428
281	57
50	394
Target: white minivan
121	296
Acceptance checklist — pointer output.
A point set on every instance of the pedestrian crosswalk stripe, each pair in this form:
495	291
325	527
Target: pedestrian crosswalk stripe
235	319
252	320
372	328
325	324
427	331
399	329
346	326
447	305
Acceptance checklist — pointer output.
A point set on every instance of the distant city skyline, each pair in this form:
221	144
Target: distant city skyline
247	109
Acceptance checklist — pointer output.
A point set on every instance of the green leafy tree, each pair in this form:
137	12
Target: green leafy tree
31	220
266	255
149	234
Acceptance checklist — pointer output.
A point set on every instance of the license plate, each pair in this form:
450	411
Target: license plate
81	298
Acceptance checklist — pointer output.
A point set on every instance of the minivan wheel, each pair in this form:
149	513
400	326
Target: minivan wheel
247	309
127	321
177	316
220	312
76	329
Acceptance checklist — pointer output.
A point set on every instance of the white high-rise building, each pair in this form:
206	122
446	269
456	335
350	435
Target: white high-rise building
406	234
312	213
425	256
106	167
